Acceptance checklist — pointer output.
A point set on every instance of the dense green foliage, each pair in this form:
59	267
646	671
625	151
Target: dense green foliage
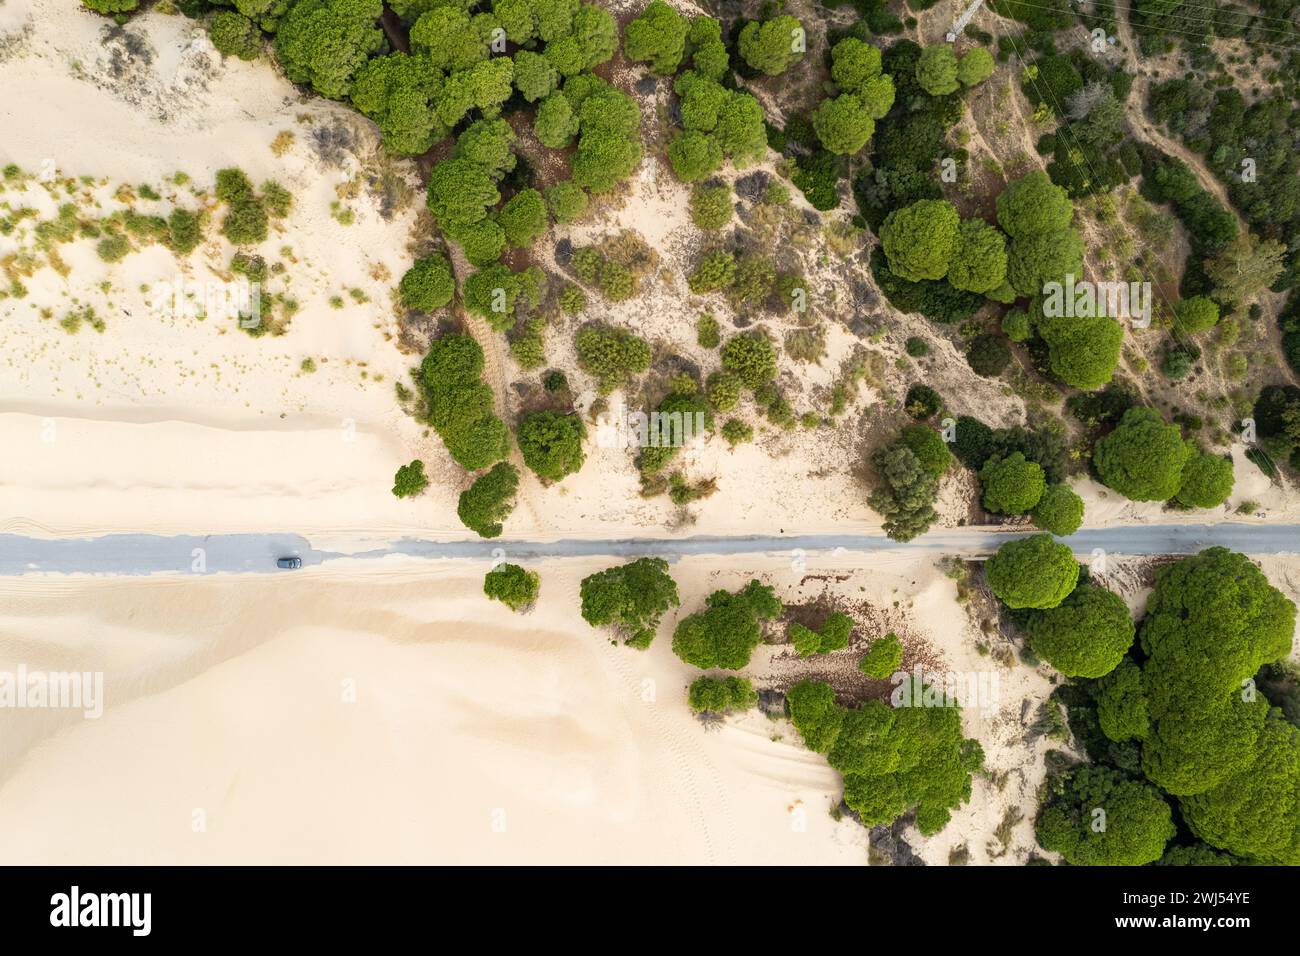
485	504
883	657
324	43
428	284
892	759
833	636
410	480
721	695
1059	511
1206	481
631	598
1143	458
1034	572
460	403
1100	818
611	355
772	46
1012	485
551	443
512	585
1086	635
726	632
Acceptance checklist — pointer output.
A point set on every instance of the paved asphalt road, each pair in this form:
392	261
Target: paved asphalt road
133	554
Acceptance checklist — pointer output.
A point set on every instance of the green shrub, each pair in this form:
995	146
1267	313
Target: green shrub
1034	572
721	695
612	356
428	284
410	480
711	206
513	586
631	598
707	332
485	504
883	658
551	443
1059	511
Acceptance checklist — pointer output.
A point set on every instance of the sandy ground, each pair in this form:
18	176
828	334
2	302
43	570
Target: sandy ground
398	716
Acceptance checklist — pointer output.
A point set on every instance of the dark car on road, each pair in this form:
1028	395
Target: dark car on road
289	564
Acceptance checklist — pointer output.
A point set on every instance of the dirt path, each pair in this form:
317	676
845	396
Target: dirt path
1143	128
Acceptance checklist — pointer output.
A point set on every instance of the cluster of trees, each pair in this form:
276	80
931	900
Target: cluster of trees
513	586
631	599
1182	718
1248	146
892	759
456	73
908	472
718	121
862	94
1146	459
1277	422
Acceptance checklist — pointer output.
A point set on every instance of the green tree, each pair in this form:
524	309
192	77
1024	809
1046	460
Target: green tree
975	66
1034	205
1244	268
1199	313
460	192
1206	482
694	156
1122	704
555	123
750	357
429	284
631	598
843	124
726	632
1059	511
853	64
883	657
448	37
936	70
1034	572
657	37
535	77
410	480
988	354
1012	485
566	200
1040	258
711	206
1143	458
485	504
611	355
523	218
324	43
235	35
920	240
400	93
979	261
1099	818
721	695
815	714
1086	635
460	404
905	493
551	443
513	586
772	45
928	446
